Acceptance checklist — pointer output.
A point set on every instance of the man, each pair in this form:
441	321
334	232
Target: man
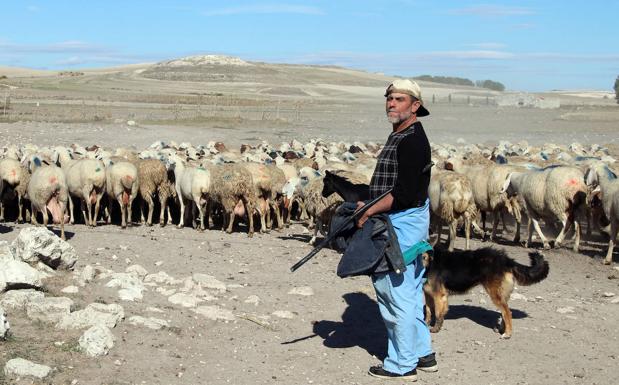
403	166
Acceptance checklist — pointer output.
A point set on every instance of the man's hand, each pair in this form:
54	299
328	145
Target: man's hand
364	217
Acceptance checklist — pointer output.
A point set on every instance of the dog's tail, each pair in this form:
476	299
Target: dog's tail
528	275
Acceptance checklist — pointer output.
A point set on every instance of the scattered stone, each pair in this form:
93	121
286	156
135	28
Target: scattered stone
209	282
215	313
18	275
87	275
97	341
5	327
566	310
70	290
93	314
153	309
615	300
20	367
518	296
608	294
303	290
165	292
283	314
160	277
150	322
37	243
17	299
253	299
137	270
185	300
51	309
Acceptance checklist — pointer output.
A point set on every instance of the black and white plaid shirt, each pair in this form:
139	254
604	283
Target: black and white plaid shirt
386	171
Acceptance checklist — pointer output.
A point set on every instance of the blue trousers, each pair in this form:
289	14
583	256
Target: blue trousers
401	300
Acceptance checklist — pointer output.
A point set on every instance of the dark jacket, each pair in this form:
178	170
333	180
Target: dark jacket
370	250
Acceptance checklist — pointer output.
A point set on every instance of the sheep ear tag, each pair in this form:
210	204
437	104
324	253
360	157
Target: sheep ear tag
37	162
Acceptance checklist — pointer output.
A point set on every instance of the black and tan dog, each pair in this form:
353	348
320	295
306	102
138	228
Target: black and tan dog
457	272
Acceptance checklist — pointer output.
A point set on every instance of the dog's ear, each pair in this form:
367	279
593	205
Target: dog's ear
426	259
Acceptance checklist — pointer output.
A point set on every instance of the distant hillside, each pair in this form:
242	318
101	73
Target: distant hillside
218	68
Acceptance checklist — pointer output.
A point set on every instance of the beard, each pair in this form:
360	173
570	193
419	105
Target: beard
397	118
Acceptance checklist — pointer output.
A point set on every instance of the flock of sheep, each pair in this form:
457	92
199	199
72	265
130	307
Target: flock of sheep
559	185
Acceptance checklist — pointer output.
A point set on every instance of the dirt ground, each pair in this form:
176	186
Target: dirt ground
565	328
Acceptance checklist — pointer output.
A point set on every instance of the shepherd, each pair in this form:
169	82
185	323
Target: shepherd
402	168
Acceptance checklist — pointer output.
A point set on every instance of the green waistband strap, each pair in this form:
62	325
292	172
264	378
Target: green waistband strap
417	249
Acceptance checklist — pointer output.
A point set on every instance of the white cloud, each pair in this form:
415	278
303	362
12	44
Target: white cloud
491	10
265	9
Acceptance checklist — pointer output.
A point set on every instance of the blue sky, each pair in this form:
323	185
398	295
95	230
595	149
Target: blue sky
526	45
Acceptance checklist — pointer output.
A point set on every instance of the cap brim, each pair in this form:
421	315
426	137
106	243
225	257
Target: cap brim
422	111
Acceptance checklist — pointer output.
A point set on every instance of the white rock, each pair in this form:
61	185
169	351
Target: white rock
303	290
283	314
165	292
5	327
94	314
51	309
518	296
608	294
137	270
209	282
35	244
87	274
17	299
565	310
150	322
19	367
185	300
253	299
70	290
97	341
5	251
18	274
131	294
614	300
154	309
215	313
160	277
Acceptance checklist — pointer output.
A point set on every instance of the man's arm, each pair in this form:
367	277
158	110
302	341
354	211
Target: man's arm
381	206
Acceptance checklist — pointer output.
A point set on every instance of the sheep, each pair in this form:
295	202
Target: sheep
233	188
195	185
153	177
86	180
263	185
451	198
319	208
15	176
278	180
486	181
48	190
600	175
122	183
555	193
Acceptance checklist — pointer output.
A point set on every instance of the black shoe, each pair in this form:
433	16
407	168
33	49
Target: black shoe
378	371
427	363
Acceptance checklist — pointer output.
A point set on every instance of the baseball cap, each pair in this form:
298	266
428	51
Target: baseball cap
409	87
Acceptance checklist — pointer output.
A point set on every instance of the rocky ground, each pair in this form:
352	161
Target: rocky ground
253	321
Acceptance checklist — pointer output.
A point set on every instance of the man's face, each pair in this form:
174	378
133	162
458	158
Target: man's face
400	107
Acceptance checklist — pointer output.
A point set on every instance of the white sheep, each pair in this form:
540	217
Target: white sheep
13	175
195	187
553	193
600	175
451	198
319	209
86	181
122	184
48	190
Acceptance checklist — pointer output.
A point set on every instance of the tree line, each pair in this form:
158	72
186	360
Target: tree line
488	84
